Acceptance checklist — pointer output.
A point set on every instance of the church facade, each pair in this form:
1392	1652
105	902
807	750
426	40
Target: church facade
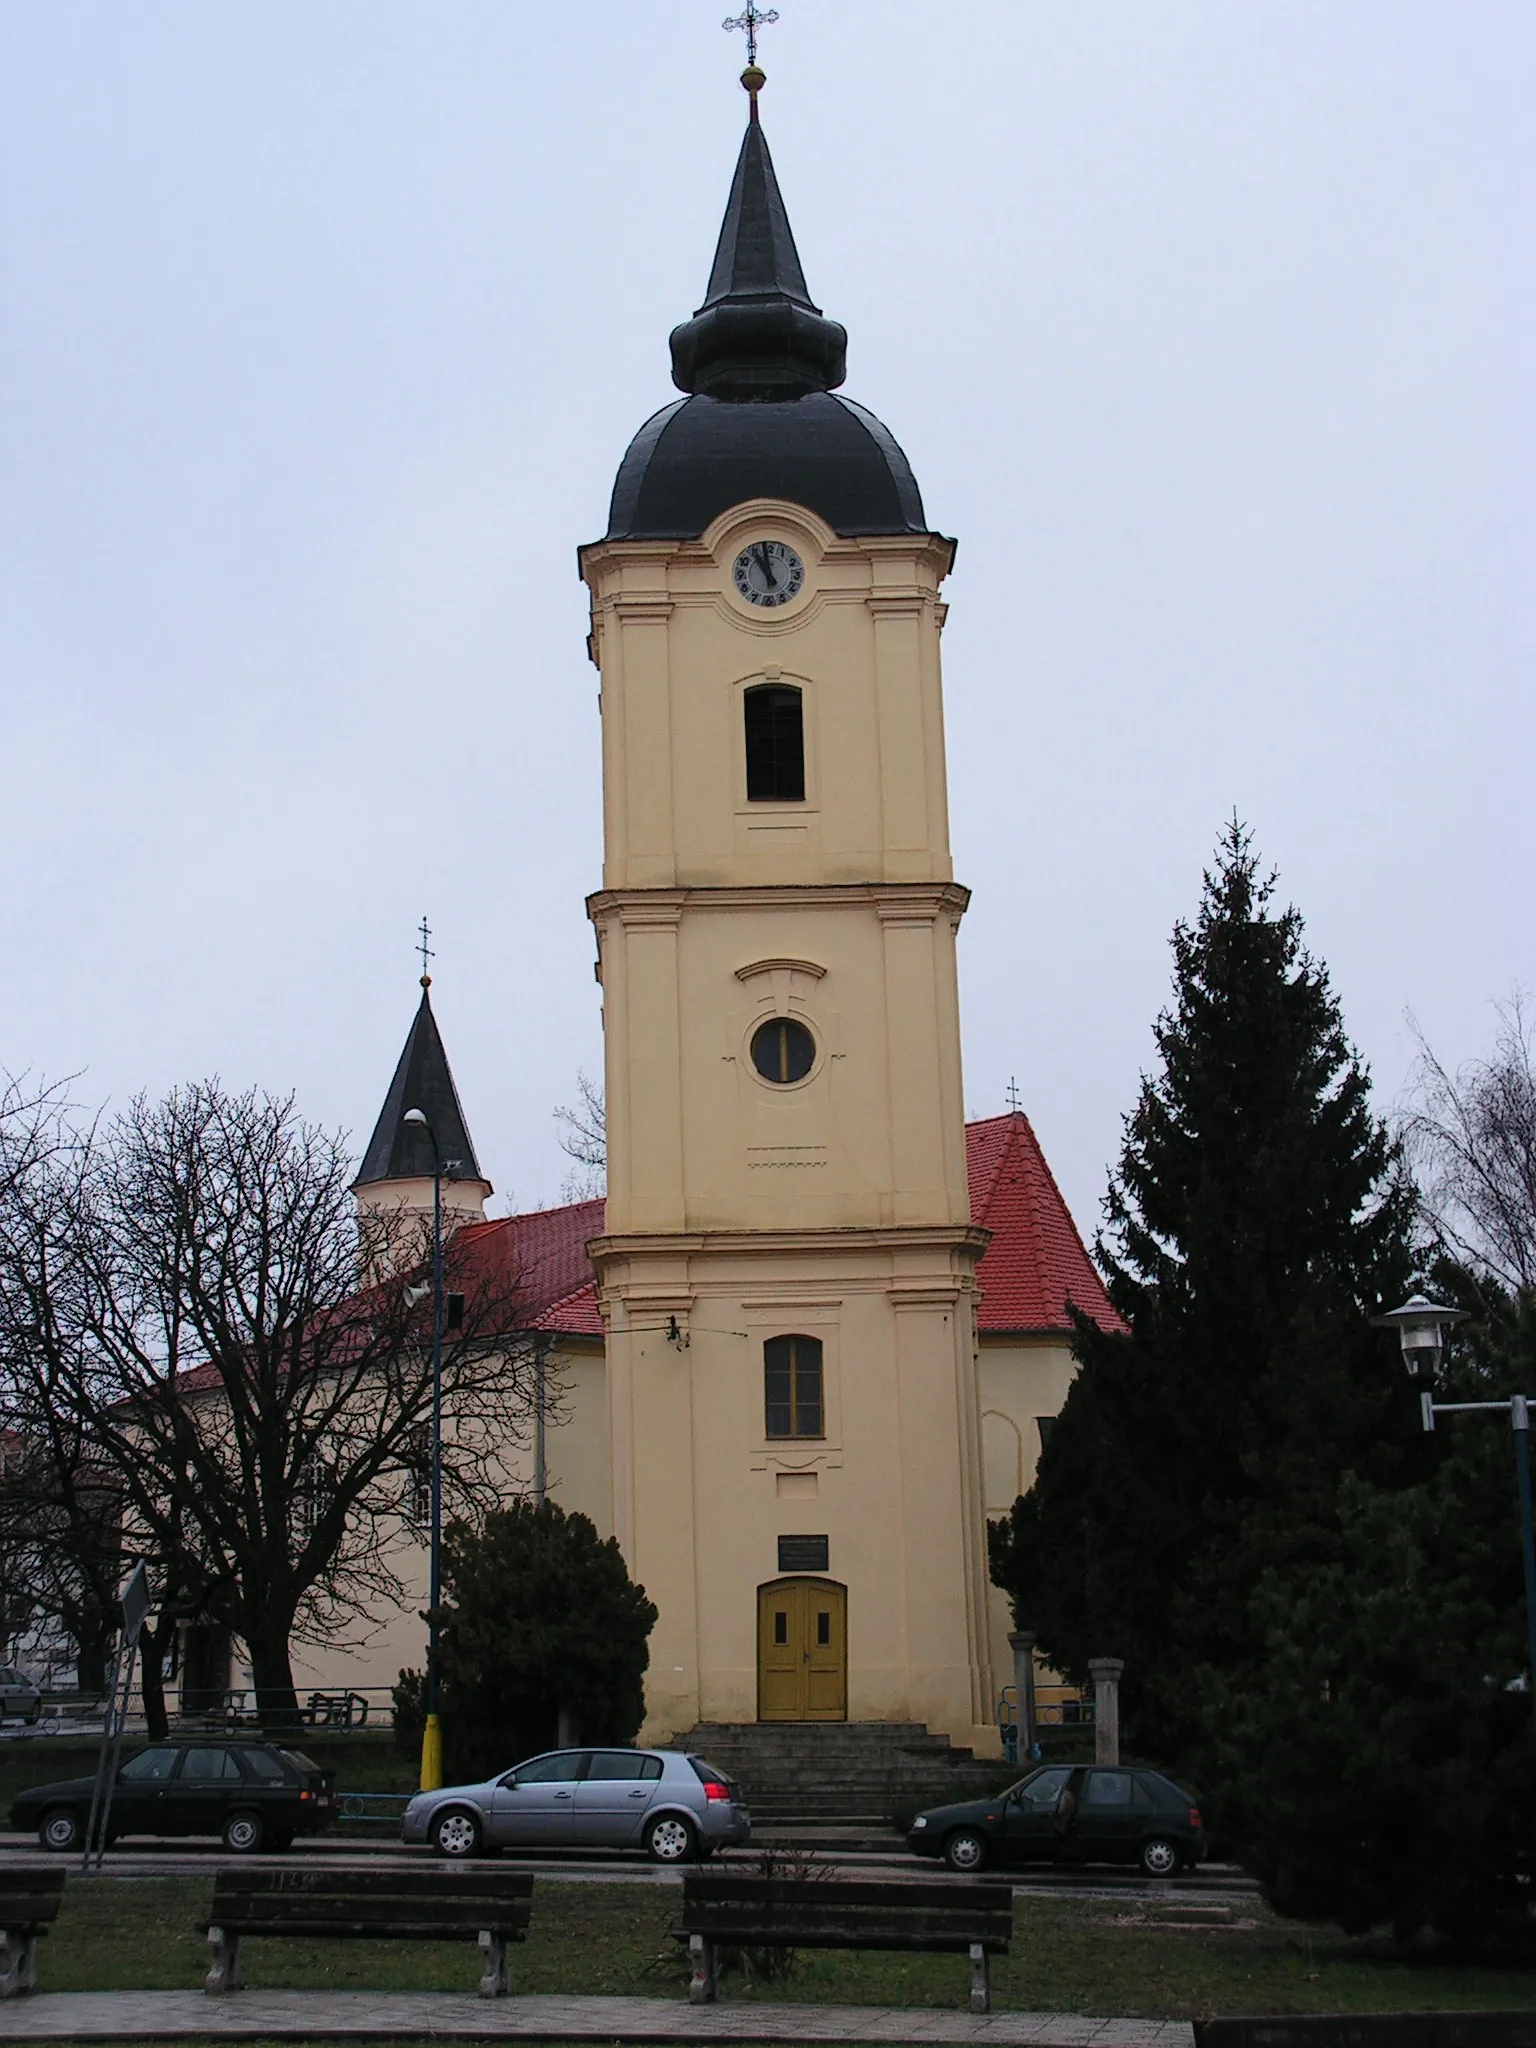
809	1342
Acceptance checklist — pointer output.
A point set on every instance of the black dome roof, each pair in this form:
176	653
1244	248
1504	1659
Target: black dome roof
760	362
699	456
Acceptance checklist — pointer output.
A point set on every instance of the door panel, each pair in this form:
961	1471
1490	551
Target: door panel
614	1796
139	1792
802	1651
536	1803
1030	1830
1111	1817
202	1792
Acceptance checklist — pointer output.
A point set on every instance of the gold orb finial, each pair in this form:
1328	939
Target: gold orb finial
754	78
426	981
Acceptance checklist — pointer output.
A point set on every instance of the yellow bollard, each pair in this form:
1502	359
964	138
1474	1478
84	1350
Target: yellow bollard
431	1755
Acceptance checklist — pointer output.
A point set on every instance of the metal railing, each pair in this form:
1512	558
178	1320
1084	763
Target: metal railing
375	1809
1056	1706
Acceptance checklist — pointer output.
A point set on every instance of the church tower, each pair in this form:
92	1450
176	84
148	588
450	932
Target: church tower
787	1272
394	1184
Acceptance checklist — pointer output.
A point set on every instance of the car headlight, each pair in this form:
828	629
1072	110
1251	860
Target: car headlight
921	1821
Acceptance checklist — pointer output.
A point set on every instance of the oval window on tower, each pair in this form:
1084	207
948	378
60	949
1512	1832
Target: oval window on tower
783	1050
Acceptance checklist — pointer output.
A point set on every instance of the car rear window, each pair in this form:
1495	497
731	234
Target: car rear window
708	1775
1109	1788
261	1763
301	1762
207	1765
622	1763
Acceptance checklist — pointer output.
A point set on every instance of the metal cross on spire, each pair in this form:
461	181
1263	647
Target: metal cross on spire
426	953
752	18
1015	1104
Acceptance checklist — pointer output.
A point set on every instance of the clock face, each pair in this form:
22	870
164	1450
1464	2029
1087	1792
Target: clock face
768	573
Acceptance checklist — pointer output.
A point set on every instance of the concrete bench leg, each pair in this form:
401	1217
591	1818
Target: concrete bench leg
704	1988
981	1980
225	1973
18	1963
495	1979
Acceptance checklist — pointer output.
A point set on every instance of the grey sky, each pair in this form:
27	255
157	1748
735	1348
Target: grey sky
1207	328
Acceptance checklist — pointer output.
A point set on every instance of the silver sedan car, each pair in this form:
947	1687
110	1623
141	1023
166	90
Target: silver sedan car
674	1806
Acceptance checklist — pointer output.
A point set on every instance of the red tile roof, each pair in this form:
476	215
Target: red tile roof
546	1250
1035	1264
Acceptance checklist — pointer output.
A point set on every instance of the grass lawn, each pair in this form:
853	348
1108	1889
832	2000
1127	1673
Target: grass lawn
1082	1956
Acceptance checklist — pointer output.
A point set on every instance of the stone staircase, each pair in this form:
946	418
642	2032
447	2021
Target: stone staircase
839	1783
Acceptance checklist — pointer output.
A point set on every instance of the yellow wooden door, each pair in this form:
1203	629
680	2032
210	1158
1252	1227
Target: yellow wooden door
802	1651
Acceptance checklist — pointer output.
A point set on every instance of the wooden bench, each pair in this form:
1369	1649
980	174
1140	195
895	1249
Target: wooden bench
29	1905
750	1912
492	1908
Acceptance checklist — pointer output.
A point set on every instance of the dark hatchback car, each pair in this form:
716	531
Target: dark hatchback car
255	1795
1068	1814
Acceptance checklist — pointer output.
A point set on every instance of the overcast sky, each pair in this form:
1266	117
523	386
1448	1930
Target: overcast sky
1206	324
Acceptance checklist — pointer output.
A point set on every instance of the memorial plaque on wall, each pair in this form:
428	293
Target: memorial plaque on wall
803	1554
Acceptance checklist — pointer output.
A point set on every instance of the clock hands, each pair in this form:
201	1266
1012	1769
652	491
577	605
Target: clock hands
765	563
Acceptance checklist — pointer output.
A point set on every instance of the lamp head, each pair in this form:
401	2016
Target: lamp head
1421	1325
415	1116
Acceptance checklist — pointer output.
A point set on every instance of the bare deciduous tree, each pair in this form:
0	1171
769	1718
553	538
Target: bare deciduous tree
585	1139
1472	1137
188	1302
60	1542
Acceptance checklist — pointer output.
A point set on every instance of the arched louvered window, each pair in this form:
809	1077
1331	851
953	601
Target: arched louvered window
775	745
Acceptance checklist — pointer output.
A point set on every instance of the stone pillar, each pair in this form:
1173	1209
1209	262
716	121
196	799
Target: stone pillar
1106	1673
1022	1644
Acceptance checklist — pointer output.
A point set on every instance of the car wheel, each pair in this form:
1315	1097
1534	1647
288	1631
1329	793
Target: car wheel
243	1833
33	1718
967	1849
60	1828
669	1839
456	1833
1161	1857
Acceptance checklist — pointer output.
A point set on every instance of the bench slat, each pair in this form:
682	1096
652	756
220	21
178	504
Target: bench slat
384	1913
397	1930
42	1883
754	1934
358	1884
773	1913
852	1892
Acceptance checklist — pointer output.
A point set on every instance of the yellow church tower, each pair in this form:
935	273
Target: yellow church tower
787	1274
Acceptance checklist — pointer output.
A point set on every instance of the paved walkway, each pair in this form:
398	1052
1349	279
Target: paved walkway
422	2015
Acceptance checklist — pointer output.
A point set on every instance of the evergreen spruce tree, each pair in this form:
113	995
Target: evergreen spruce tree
1257	1218
540	1619
1385	1771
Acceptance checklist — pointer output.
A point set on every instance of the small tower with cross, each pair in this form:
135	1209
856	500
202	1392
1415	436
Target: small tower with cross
394	1183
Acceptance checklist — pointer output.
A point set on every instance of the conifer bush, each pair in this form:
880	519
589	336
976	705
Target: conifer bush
539	1618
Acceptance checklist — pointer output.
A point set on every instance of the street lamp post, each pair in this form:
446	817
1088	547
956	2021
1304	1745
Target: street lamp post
1421	1325
431	1734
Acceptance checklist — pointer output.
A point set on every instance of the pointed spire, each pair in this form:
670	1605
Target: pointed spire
401	1151
757	335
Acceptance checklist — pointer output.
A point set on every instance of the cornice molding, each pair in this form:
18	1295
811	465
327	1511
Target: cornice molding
969	1240
893	902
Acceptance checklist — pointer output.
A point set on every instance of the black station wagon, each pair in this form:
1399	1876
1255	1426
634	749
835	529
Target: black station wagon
255	1795
1069	1813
